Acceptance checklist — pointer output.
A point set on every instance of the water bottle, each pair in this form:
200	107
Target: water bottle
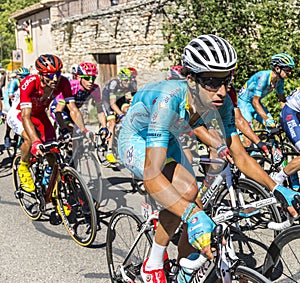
47	174
184	275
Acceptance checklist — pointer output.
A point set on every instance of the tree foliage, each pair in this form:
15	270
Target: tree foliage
7	30
257	29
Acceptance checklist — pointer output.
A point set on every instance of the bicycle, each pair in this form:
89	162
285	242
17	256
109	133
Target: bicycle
281	150
129	240
66	196
281	263
79	153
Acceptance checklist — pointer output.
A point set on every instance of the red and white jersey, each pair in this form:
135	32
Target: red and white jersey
31	94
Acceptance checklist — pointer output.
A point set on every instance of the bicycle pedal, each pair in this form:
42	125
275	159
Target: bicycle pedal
18	194
55	218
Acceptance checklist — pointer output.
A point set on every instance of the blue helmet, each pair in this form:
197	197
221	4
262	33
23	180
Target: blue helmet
22	72
282	60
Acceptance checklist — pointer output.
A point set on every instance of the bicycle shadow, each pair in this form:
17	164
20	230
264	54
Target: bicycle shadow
5	163
115	189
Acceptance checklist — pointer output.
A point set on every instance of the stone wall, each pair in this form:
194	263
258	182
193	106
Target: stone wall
133	31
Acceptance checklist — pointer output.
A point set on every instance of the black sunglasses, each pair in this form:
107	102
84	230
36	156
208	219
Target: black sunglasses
213	83
286	69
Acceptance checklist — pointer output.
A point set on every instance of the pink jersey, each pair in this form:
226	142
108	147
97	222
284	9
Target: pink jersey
81	95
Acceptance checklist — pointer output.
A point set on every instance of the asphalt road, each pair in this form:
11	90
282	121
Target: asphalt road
36	251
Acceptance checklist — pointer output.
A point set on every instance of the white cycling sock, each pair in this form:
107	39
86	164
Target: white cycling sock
280	177
156	258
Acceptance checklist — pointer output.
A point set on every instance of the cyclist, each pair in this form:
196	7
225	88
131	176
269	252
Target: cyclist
29	118
241	123
290	122
83	88
12	95
133	81
117	95
259	86
160	112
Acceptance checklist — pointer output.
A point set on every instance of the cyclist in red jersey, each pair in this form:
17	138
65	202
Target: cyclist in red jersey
31	119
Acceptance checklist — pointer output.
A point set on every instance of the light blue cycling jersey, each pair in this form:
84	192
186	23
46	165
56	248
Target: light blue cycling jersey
259	85
9	94
157	117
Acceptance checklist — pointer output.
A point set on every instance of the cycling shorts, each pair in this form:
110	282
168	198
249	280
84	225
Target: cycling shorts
249	113
42	124
132	152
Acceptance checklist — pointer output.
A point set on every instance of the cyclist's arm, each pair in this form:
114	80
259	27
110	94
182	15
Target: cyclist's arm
58	114
76	115
28	125
207	138
247	164
282	99
114	106
258	108
243	125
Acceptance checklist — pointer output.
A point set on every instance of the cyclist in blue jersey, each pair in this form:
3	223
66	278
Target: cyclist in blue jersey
290	122
149	147
12	95
260	85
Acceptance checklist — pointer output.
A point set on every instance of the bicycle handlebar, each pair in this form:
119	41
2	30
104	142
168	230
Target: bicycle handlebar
233	213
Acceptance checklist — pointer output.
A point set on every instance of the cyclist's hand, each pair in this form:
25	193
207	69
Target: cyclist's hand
66	135
89	135
104	133
224	153
289	199
270	123
263	146
121	118
36	148
200	227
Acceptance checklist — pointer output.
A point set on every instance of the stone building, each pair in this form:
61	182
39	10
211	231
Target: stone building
111	33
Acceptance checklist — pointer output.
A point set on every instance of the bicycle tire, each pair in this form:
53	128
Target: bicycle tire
87	165
251	236
28	201
122	232
281	262
245	274
76	207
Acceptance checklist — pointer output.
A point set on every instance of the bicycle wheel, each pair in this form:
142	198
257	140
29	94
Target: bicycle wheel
245	274
251	236
28	201
283	258
87	165
76	207
126	246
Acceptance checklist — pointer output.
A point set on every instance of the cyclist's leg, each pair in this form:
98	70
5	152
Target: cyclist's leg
248	111
290	123
14	121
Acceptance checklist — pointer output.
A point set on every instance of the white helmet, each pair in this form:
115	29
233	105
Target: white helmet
209	53
74	68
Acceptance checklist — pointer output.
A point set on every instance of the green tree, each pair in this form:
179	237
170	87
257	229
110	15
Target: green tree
7	30
256	28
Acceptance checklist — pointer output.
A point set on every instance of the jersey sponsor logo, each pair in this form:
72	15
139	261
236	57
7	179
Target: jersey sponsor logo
291	125
153	135
27	82
288	117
